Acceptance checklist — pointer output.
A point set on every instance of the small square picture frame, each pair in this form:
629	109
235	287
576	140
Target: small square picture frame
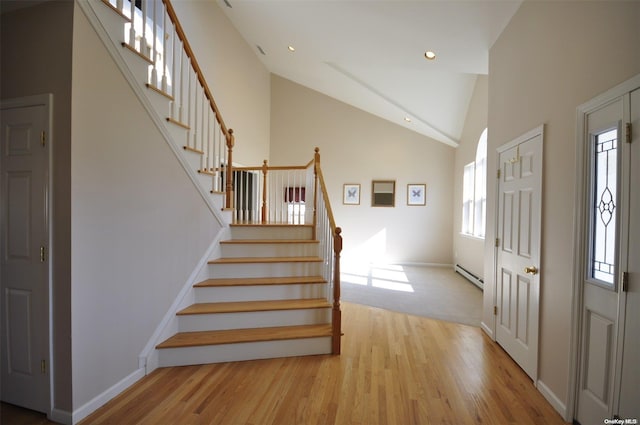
351	194
416	194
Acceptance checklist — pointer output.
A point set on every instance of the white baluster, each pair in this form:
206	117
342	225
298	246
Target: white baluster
132	29
154	68
202	133
165	36
119	5
195	110
143	40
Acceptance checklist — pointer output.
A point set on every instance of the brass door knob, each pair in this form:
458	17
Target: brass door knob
531	270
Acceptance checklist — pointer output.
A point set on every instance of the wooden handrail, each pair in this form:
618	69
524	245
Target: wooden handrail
272	168
194	63
228	133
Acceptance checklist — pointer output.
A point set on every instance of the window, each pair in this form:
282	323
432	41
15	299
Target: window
474	191
603	214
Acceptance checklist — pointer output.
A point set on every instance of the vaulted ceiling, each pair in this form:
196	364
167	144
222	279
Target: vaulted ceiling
371	53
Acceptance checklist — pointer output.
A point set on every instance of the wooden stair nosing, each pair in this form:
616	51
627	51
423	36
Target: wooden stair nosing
159	91
232	336
268	241
137	53
254	306
268	225
116	10
259	281
254	260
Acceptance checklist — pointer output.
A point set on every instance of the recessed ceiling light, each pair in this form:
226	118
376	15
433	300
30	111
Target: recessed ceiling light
407	119
429	55
291	48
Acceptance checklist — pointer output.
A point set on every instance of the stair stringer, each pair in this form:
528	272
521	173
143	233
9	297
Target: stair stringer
99	16
149	358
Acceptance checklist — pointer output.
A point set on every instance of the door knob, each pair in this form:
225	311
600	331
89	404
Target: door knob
531	270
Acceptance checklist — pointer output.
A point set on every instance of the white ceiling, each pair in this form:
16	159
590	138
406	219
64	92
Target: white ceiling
370	53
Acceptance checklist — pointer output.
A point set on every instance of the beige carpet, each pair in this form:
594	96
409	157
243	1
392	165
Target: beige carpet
435	292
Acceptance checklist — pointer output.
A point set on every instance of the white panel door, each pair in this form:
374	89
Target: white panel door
24	295
630	373
518	257
602	249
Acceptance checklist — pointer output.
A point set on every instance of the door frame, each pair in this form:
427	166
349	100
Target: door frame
45	100
580	230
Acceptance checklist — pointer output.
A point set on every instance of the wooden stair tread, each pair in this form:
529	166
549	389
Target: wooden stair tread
231	336
269	241
249	260
257	281
249	306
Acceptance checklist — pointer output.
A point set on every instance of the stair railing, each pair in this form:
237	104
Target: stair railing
154	33
294	195
330	237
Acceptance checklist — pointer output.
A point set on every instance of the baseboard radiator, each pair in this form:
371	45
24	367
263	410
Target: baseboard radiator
469	276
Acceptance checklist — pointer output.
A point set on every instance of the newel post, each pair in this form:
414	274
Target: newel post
336	314
265	169
229	178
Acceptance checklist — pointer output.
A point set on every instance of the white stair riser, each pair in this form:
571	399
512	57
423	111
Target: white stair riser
245	351
179	139
260	293
235	250
218	200
159	102
112	22
264	270
253	319
271	232
205	181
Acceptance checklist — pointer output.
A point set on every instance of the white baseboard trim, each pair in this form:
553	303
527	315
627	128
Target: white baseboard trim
553	400
102	399
414	263
61	417
486	330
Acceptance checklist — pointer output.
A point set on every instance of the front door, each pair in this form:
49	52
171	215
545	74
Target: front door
24	296
518	248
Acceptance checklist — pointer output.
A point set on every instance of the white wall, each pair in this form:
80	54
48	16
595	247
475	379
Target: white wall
468	251
552	57
139	226
238	80
357	147
36	59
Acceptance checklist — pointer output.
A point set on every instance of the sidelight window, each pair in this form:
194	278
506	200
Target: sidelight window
604	206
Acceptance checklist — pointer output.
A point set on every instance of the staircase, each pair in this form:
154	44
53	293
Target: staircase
267	300
271	289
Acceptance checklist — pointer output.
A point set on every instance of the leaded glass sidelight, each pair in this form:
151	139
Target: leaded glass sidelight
603	219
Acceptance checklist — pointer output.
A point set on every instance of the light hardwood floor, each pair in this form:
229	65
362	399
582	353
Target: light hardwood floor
394	369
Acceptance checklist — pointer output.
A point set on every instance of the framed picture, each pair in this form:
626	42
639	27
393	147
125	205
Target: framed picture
383	193
351	194
416	194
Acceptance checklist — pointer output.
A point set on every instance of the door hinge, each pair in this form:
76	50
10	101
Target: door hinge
498	173
497	242
43	254
625	281
43	366
495	310
627	133
43	138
